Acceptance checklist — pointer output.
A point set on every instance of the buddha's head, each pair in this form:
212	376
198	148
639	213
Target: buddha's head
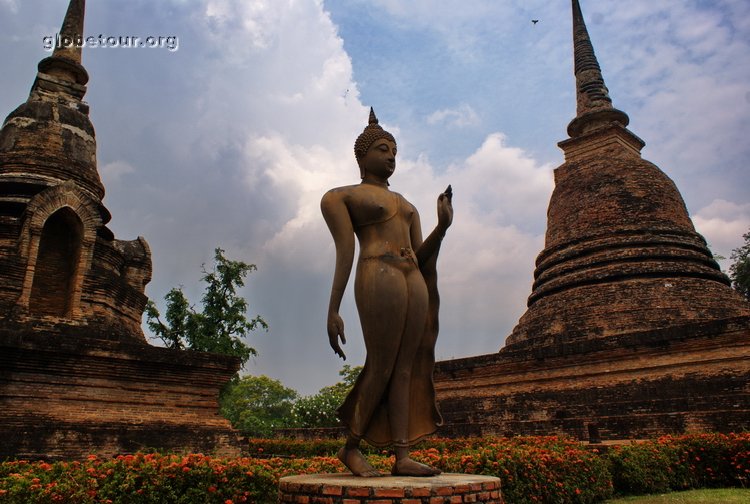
372	133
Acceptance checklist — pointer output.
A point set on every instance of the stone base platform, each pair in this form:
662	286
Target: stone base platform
349	489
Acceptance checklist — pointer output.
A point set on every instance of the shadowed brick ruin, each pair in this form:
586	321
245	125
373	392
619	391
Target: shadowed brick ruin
632	329
76	373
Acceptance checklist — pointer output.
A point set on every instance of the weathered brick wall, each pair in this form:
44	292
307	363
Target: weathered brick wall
67	397
75	372
51	139
683	379
621	253
98	284
627	305
631	329
58	261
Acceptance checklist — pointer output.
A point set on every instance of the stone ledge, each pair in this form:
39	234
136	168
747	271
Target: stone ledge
349	489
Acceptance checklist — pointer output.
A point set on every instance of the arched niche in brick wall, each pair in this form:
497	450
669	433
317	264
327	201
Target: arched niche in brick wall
57	242
57	263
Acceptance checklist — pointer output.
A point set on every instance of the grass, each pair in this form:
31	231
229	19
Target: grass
713	496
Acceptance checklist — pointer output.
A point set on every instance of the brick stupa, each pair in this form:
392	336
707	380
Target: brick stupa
631	328
76	373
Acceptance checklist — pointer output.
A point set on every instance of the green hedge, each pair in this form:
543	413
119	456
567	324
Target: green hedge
532	470
681	463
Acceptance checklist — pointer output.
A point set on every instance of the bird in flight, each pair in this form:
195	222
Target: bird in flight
535	21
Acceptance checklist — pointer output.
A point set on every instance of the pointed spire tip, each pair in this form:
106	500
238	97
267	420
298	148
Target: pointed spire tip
65	61
592	95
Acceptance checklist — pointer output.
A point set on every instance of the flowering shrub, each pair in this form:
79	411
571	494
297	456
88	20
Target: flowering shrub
532	470
295	447
640	468
681	463
153	478
329	447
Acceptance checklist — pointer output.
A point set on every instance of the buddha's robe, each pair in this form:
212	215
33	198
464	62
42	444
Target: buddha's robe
424	417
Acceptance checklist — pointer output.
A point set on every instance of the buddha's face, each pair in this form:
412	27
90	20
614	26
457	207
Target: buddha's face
380	159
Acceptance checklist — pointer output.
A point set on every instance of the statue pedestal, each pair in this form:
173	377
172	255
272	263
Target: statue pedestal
348	489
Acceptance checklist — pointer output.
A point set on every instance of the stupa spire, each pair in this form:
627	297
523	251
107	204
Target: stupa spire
593	104
65	62
72	30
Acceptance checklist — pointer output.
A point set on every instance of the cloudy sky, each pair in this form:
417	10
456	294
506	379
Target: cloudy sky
231	139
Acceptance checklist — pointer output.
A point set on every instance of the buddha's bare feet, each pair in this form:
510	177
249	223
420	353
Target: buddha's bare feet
408	467
353	459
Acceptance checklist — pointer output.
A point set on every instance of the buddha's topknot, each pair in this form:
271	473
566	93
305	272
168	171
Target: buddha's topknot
373	131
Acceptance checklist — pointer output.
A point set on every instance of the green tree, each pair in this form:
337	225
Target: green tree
221	324
739	271
256	405
319	410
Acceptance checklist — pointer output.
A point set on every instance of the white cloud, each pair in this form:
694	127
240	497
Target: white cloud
302	175
254	18
506	184
722	223
460	117
11	5
679	79
112	172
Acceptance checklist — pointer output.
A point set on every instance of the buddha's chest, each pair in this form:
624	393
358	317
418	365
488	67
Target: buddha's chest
377	208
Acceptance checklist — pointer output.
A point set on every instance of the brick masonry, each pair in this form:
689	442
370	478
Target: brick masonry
349	489
666	381
631	330
76	374
60	265
69	398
